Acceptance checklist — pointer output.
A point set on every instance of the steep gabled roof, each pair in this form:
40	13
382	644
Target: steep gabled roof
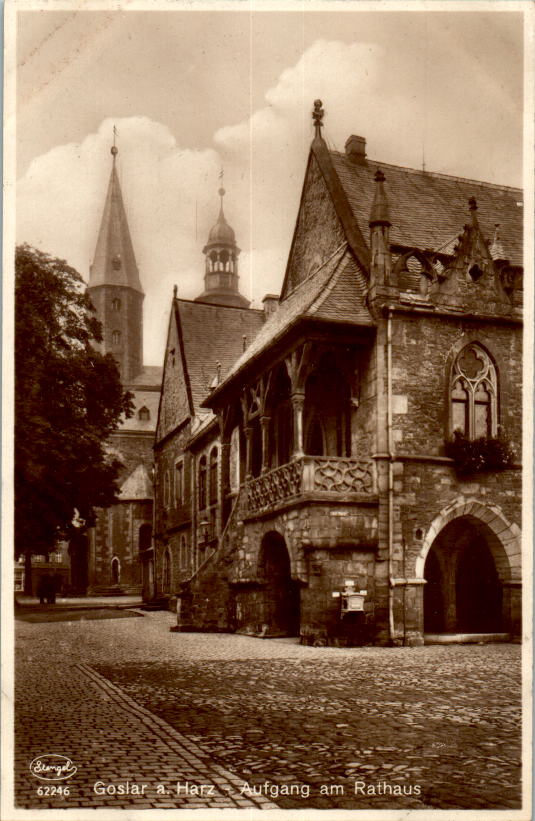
147	400
202	340
428	210
137	486
336	292
212	334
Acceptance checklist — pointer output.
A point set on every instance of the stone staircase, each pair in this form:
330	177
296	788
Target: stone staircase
207	601
114	590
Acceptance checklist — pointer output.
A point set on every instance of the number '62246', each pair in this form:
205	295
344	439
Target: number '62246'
53	789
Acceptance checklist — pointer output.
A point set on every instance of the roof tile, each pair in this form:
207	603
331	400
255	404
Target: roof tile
427	209
211	334
335	292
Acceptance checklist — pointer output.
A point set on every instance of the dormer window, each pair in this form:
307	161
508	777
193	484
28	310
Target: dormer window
144	414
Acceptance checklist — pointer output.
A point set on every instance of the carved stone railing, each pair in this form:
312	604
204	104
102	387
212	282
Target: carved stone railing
275	486
329	475
338	474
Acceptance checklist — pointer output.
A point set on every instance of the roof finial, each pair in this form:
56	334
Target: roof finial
221	191
379	210
317	116
496	249
175	291
114	150
472	204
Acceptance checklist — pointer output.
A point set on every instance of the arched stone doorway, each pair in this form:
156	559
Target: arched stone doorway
281	597
115	571
465	570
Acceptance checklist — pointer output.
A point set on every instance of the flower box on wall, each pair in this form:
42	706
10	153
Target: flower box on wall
486	454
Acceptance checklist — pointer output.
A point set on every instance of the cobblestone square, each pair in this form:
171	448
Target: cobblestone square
220	720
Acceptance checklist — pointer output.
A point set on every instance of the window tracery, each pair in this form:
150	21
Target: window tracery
473	393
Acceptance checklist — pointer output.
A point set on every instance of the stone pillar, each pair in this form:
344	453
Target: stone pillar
248	452
512	608
264	424
225	482
298	403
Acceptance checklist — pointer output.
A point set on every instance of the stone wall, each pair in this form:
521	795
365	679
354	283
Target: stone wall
422	350
133	449
318	231
127	320
116	534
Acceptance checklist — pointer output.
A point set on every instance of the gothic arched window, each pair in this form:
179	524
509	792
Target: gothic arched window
213	476
116	337
473	394
179	482
144	414
166	571
116	304
166	489
183	553
202	483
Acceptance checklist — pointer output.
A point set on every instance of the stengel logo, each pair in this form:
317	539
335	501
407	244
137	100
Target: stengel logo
52	767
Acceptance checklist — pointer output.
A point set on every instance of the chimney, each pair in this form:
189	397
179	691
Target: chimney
270	303
356	149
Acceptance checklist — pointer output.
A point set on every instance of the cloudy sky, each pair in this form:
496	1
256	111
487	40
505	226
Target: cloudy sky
191	91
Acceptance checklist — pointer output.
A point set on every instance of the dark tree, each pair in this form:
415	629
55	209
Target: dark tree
68	400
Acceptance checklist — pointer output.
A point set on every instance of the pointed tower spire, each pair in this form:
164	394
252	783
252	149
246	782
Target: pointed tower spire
221	267
114	262
381	260
114	284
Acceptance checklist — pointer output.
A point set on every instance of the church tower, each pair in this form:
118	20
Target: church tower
114	284
221	267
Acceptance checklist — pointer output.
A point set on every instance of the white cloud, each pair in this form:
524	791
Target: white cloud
170	188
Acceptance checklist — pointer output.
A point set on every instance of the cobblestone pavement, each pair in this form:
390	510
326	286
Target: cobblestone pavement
303	727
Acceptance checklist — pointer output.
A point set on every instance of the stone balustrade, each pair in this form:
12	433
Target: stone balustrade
317	475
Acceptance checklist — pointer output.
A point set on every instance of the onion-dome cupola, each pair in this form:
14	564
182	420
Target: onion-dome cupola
114	284
221	268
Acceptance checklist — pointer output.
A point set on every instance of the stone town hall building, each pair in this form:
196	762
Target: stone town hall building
300	450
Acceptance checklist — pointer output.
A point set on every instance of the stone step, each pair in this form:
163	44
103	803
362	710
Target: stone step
465	638
114	590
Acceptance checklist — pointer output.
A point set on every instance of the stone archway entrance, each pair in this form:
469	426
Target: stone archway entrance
281	598
465	570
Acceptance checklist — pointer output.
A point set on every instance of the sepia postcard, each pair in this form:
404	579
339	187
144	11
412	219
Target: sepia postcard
267	419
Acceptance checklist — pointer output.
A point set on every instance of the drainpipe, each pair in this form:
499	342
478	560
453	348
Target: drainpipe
155	489
391	629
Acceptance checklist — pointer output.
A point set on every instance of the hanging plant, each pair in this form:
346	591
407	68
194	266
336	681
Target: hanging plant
479	455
